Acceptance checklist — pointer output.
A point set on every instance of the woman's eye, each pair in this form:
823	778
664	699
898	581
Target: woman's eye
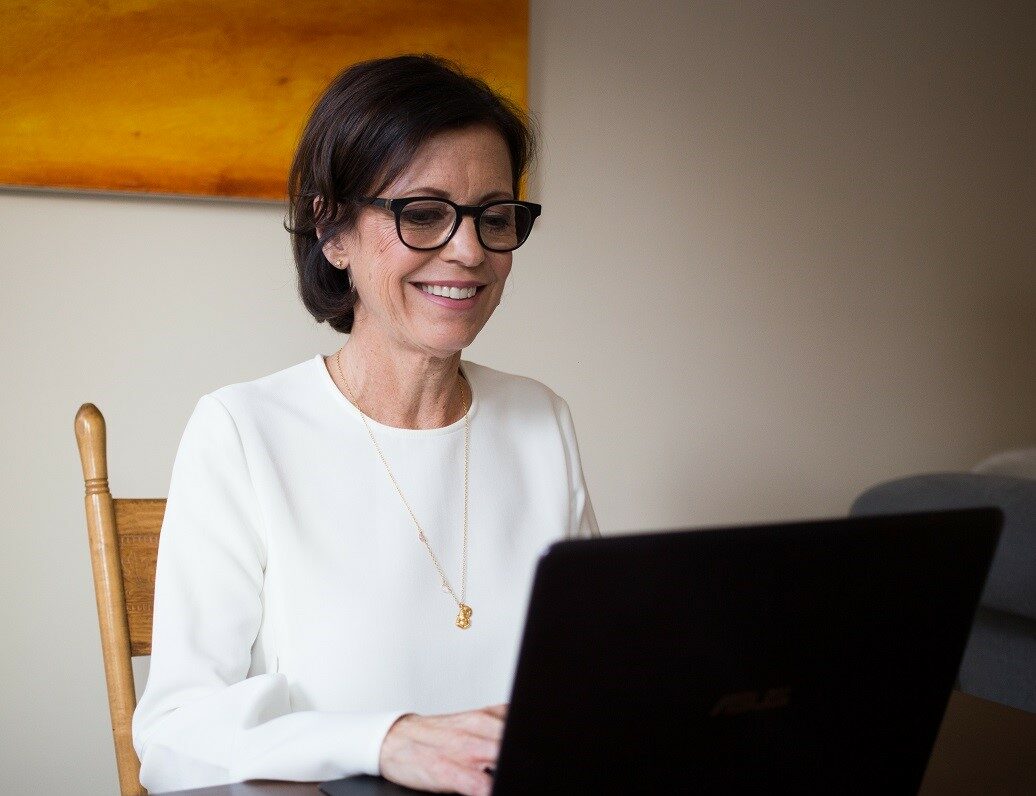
422	216
497	220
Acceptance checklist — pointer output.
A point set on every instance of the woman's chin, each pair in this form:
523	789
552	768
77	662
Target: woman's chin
446	339
444	349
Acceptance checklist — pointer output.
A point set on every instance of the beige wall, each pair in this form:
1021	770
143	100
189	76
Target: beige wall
785	254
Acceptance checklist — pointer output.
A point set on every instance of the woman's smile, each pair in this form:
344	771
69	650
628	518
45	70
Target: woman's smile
457	295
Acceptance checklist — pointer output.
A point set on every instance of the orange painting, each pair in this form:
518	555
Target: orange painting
208	97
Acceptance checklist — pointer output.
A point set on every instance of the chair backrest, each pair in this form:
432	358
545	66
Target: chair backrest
1011	585
1000	660
123	537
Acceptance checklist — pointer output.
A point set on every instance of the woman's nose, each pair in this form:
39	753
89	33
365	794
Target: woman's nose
464	246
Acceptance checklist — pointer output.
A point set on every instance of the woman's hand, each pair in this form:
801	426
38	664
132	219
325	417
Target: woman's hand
444	754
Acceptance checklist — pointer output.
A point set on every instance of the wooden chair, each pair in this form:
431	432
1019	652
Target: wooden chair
123	549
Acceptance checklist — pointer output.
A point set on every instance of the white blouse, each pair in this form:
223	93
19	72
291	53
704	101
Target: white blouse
297	615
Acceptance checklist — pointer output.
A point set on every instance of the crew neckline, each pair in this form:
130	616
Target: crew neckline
339	396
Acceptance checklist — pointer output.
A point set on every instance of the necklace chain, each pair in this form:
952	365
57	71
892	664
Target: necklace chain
463	620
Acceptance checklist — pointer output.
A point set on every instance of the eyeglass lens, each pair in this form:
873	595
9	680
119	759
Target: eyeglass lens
427	224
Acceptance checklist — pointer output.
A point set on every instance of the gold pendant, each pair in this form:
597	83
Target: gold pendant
463	620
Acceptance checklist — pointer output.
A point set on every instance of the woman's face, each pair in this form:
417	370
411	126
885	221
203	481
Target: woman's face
470	166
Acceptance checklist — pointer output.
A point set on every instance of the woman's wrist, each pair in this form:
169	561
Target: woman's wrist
386	742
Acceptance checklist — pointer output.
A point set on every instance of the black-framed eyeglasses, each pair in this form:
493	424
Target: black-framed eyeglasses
428	222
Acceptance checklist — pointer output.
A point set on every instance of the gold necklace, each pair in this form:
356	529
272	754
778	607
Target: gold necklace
463	620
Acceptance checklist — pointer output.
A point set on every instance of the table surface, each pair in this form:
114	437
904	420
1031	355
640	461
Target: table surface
983	748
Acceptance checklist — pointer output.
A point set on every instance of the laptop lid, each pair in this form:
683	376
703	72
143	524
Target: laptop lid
815	657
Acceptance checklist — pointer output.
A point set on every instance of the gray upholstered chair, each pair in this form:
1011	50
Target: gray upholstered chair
1000	659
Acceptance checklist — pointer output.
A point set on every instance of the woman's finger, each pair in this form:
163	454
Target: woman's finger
467	781
478	751
484	725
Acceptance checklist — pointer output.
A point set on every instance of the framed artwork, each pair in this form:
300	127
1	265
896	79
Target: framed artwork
208	97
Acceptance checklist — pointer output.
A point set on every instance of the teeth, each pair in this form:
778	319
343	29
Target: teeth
449	292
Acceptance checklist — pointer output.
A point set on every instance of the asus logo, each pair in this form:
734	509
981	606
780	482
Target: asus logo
747	701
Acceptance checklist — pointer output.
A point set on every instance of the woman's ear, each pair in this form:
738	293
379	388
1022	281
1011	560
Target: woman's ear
334	251
333	248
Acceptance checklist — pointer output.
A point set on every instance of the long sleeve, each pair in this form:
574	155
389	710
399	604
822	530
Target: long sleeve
582	520
202	719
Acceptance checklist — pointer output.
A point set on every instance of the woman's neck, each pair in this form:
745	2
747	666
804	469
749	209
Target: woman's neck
398	387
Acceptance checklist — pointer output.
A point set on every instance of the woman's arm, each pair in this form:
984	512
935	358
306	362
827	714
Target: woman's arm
202	720
582	522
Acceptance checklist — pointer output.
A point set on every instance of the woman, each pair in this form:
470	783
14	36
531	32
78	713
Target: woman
349	543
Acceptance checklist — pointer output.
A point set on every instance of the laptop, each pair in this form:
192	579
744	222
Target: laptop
808	657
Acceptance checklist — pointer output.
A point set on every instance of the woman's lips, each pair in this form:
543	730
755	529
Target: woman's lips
454	304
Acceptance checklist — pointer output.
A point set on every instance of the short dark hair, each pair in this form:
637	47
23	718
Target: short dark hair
362	134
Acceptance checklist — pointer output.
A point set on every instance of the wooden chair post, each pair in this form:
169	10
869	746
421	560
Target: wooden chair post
108	589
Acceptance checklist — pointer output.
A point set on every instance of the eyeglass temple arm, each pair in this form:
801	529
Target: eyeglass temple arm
376	202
